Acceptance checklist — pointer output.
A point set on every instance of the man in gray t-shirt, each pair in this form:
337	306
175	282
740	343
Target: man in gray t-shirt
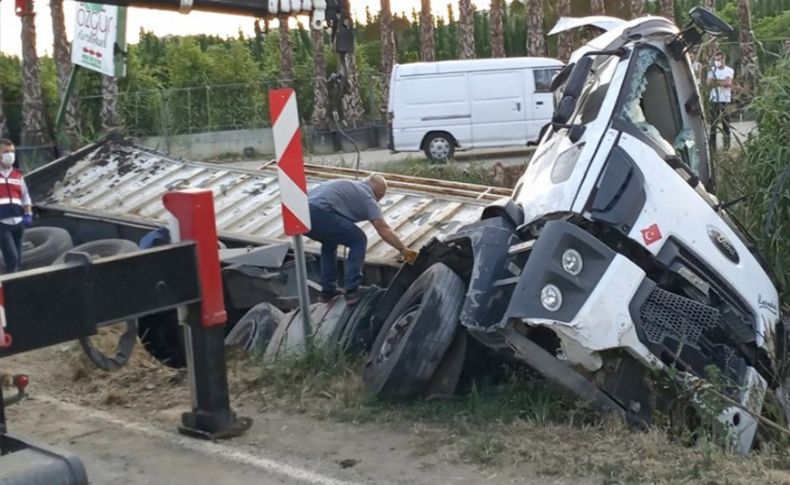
335	207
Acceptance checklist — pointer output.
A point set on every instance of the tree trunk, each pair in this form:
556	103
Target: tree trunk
597	7
3	122
427	39
320	117
353	110
286	53
34	128
668	9
706	55
536	44
565	41
387	49
62	55
466	29
637	8
497	30
109	103
750	68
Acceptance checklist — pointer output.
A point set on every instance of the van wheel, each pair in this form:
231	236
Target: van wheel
439	147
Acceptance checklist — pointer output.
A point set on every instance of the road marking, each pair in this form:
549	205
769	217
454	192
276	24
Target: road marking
209	448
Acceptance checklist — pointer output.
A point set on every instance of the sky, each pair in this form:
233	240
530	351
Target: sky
168	23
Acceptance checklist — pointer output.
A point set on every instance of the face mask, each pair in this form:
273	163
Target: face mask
7	159
720	64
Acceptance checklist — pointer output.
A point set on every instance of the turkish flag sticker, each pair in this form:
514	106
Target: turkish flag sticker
651	234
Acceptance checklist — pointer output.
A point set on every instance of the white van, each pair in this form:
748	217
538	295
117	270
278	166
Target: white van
437	107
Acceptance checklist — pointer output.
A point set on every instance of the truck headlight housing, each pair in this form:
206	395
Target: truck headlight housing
572	262
551	298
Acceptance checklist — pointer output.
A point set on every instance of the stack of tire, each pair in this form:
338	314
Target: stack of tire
266	331
41	246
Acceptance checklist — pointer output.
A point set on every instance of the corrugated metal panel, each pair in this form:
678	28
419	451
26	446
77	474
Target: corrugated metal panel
127	182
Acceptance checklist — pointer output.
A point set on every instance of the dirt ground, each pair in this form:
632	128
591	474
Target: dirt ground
123	426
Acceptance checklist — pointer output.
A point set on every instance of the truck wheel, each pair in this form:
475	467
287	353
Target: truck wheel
101	248
416	335
439	147
42	245
255	329
128	333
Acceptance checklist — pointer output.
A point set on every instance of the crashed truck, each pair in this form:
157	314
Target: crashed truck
611	260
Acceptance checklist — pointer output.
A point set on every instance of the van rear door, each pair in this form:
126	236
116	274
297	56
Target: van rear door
541	100
498	108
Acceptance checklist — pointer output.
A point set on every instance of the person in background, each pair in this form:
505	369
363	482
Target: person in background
16	208
720	77
335	208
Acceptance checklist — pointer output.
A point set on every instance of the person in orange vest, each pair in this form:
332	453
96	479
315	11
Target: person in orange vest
16	208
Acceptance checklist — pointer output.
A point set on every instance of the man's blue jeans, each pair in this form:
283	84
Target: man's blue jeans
331	229
11	246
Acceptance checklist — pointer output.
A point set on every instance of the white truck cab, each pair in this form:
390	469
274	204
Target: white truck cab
437	107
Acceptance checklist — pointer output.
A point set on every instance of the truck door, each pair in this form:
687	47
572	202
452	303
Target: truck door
498	108
541	101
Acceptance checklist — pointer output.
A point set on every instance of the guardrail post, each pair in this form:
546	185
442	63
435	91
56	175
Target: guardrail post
203	323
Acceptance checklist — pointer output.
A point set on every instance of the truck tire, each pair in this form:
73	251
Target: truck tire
255	329
42	245
101	248
127	339
415	337
439	146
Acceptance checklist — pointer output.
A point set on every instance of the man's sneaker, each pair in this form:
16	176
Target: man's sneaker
352	297
327	296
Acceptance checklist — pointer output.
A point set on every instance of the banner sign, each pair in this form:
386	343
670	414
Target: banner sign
100	38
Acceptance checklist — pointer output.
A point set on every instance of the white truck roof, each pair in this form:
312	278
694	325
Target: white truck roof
470	65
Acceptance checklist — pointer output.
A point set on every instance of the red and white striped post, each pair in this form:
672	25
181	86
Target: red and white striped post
293	187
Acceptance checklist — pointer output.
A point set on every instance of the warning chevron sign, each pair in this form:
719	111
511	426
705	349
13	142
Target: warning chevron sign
290	161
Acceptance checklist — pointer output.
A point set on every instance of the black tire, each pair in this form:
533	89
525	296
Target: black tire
42	245
101	248
255	329
438	142
416	335
445	379
356	333
127	340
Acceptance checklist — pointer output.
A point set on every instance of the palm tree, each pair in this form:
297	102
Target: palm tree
351	103
565	41
497	30
286	53
637	8
320	117
62	55
427	39
34	130
109	103
3	122
536	44
668	9
466	29
597	7
750	69
387	48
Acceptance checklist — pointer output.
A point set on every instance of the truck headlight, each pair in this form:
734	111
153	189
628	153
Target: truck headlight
551	298
572	262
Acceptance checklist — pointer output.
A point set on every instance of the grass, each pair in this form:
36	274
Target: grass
523	427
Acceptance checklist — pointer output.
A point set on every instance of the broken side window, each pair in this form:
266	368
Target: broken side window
651	104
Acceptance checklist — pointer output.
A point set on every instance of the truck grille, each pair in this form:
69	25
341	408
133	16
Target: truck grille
666	314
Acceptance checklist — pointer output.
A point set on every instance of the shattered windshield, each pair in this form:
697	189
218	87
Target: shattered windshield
595	92
650	104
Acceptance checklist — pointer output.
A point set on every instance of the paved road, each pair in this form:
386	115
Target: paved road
377	159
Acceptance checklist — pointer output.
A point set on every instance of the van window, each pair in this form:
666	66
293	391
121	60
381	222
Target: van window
543	79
